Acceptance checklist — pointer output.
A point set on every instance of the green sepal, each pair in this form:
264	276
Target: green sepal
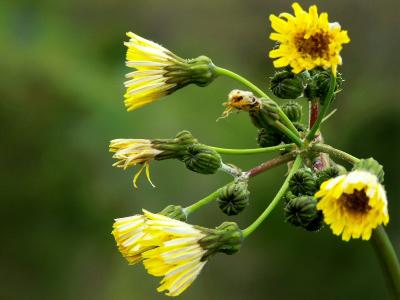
175	212
173	148
372	166
226	238
327	174
268	137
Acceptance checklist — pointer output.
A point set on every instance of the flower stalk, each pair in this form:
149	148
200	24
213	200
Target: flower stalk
253	151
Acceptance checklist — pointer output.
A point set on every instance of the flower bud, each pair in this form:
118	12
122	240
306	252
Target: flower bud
226	238
175	212
233	198
201	159
318	85
303	182
173	148
293	110
268	137
372	166
286	85
302	212
326	174
287	197
264	117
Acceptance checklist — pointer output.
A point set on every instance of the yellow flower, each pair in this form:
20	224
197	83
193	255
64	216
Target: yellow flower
130	152
160	72
129	235
178	257
306	40
353	204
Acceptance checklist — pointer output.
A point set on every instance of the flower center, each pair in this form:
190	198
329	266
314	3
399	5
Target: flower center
356	202
317	45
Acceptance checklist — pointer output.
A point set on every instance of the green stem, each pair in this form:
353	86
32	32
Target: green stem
233	75
195	206
388	259
334	152
327	101
289	133
253	151
275	201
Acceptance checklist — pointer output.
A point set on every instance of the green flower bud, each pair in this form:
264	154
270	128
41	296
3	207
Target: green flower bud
226	238
201	159
372	166
303	182
200	71
326	174
264	117
318	85
302	212
174	212
233	198
268	137
286	85
293	110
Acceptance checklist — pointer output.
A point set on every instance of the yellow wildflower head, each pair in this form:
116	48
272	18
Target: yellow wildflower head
130	152
353	204
241	101
182	250
131	236
306	40
160	72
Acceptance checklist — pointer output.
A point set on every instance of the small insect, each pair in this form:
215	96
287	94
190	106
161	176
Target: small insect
241	101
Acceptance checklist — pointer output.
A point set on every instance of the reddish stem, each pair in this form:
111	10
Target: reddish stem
314	111
271	163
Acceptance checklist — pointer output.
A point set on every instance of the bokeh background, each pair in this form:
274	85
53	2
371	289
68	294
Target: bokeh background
62	68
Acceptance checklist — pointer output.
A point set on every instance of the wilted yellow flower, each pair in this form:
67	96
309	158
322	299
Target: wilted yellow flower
130	152
353	204
241	101
160	72
178	257
306	40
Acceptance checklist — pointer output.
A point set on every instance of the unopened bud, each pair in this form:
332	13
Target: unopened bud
302	212
202	159
266	116
326	174
318	84
286	85
293	110
268	137
233	198
303	182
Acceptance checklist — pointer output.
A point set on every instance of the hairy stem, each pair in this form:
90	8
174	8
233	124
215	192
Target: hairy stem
334	152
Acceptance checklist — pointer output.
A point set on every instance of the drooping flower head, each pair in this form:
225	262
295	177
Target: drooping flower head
306	40
131	152
160	72
182	250
353	204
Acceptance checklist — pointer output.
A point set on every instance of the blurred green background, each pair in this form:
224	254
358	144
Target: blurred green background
62	69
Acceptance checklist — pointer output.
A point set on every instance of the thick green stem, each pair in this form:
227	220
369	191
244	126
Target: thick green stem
195	206
275	201
260	92
253	151
327	101
334	152
388	259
